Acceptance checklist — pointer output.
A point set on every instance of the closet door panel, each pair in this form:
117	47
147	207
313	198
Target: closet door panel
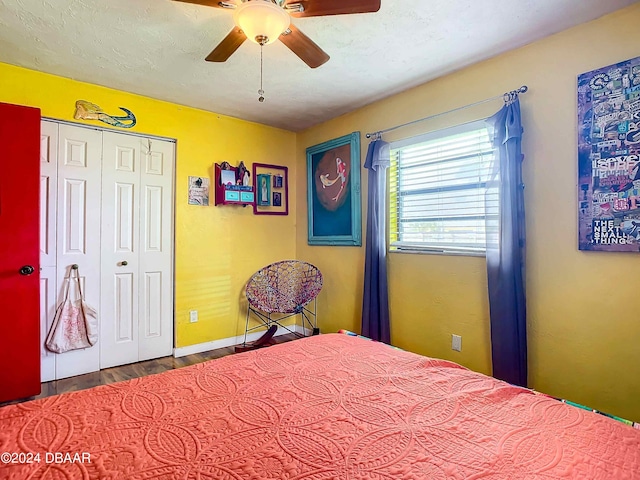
48	192
74	213
78	229
152	304
120	256
156	250
47	313
48	252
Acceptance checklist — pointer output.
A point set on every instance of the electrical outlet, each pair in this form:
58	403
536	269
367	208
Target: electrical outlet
456	343
193	316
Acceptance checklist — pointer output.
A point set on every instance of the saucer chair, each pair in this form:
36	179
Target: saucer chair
280	291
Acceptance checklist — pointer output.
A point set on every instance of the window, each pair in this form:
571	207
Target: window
438	192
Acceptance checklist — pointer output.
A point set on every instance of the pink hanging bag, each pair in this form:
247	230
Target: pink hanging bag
75	324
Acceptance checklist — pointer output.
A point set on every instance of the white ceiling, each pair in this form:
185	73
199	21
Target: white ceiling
157	48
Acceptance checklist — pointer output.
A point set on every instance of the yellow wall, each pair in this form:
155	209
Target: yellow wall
583	323
217	248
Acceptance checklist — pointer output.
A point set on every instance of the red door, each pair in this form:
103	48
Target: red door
19	252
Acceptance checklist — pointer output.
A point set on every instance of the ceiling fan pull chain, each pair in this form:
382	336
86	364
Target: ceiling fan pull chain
261	91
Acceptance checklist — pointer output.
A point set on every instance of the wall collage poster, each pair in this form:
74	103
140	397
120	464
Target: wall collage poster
608	158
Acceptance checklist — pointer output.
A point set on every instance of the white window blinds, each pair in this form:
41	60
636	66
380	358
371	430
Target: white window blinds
438	191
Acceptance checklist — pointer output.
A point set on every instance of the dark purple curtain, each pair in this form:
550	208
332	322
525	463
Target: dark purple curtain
506	248
375	304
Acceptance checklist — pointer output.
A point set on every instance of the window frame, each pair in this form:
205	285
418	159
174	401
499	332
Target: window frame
397	246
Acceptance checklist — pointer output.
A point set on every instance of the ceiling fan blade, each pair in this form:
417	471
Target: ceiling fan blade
227	46
211	3
304	47
317	8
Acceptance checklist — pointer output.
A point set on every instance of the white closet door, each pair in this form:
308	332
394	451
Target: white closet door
48	200
107	205
156	250
78	229
137	288
120	256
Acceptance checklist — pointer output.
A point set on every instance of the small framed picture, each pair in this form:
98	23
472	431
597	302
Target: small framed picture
198	191
271	187
263	190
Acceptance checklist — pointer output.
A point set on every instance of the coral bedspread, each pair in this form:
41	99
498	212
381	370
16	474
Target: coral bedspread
321	408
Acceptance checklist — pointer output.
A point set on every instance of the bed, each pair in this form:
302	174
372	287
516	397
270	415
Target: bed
319	408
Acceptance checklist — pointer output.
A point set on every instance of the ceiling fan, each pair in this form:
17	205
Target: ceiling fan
265	21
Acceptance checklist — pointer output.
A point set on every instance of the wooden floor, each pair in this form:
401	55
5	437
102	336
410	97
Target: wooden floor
134	370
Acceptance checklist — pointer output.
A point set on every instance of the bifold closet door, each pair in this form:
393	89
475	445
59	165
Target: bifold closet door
137	293
48	253
78	229
156	326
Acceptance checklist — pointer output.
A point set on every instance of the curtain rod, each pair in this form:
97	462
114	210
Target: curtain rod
508	97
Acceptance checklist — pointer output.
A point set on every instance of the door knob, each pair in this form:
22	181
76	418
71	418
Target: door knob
124	264
27	270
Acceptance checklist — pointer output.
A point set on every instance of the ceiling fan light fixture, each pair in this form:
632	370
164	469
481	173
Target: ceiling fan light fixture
261	21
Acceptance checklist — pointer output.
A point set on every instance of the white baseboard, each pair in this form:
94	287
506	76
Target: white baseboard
228	342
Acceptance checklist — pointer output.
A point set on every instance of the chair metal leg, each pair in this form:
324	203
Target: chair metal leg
246	326
307	314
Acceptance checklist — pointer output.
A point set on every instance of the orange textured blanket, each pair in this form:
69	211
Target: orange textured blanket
320	408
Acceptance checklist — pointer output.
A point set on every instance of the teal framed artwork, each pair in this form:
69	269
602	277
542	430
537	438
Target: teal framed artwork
263	190
333	192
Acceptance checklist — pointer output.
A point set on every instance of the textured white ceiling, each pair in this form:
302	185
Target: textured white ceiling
157	48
